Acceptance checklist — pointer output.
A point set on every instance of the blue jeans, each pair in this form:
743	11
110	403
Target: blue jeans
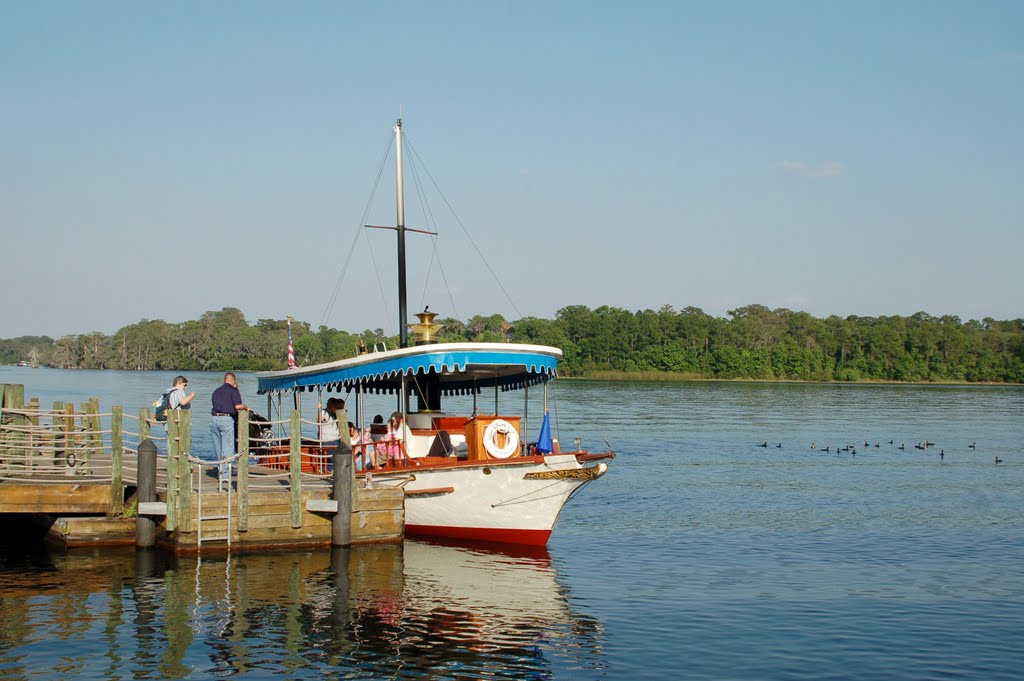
223	430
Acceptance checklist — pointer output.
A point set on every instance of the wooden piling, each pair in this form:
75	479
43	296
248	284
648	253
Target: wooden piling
117	461
295	468
14	400
14	396
243	471
341	523
95	430
173	475
58	440
145	526
3	434
144	426
31	442
68	432
184	420
92	439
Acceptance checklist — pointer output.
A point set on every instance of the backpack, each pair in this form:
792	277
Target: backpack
162	405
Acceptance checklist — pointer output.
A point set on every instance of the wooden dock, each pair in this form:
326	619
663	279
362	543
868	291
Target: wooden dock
76	471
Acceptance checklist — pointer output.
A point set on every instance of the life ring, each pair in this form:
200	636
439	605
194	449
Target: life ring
491	439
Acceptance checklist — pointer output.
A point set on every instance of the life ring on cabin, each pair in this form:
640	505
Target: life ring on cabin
501	427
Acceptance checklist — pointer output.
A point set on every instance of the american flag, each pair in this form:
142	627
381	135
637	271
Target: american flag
291	350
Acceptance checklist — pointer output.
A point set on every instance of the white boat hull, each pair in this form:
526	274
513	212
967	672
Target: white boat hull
515	501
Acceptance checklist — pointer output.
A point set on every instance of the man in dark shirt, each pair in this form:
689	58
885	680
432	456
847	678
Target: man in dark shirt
227	402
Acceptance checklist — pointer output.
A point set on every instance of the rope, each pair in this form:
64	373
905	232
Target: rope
435	255
521	499
360	230
464	230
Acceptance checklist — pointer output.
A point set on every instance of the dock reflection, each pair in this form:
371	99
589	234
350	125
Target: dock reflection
419	608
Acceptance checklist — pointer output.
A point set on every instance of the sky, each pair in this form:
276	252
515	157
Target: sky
161	160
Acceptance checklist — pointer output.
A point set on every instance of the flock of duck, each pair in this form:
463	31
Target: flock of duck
852	449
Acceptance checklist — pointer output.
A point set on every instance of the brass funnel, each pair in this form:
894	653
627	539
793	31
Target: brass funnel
426	331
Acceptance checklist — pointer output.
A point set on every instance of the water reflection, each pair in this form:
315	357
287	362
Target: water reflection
422	609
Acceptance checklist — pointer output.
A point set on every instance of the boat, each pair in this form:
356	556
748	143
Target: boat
473	476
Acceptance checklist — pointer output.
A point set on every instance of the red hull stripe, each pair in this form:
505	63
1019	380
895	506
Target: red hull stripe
482	534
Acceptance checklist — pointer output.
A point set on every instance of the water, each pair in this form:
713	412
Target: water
700	555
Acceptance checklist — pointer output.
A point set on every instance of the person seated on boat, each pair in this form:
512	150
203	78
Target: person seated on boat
400	427
330	436
442	445
375	433
378	429
393	443
359	449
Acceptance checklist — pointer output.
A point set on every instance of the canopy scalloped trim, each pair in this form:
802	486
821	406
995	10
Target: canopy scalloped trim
463	368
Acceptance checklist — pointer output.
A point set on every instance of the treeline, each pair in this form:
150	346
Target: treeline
754	342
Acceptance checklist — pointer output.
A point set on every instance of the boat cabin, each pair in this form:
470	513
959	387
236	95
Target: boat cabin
420	377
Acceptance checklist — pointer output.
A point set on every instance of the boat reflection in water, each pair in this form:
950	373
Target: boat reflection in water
419	609
475	611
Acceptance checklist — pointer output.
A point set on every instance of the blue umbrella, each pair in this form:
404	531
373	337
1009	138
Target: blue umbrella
544	442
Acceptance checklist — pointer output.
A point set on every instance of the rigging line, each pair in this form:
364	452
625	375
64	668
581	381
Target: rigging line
380	284
451	299
436	255
431	225
554	403
361	229
465	231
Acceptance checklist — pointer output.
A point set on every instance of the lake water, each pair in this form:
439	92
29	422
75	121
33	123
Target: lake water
700	555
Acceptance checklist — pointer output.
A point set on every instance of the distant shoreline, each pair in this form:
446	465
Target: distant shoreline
640	376
668	377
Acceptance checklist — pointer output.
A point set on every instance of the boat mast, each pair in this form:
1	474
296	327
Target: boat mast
403	333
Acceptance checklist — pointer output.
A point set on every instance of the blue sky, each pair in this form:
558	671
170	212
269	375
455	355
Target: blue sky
161	160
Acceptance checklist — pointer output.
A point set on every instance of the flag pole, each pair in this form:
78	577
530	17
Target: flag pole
291	348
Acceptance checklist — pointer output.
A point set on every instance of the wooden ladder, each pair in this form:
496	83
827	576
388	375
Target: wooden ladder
200	536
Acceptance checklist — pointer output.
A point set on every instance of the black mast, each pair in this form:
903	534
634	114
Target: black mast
403	332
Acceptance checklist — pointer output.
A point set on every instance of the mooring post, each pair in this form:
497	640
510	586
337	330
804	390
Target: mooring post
34	442
143	423
295	467
341	524
173	473
184	421
145	526
58	441
4	463
243	471
116	461
14	398
70	442
95	447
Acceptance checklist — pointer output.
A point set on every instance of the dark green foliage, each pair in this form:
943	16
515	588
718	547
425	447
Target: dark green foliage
753	343
217	341
758	343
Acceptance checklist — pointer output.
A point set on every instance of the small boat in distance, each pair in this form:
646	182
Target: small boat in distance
471	476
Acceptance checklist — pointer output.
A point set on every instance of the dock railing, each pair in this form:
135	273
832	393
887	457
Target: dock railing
83	445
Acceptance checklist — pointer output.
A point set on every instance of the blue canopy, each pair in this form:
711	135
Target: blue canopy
463	368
